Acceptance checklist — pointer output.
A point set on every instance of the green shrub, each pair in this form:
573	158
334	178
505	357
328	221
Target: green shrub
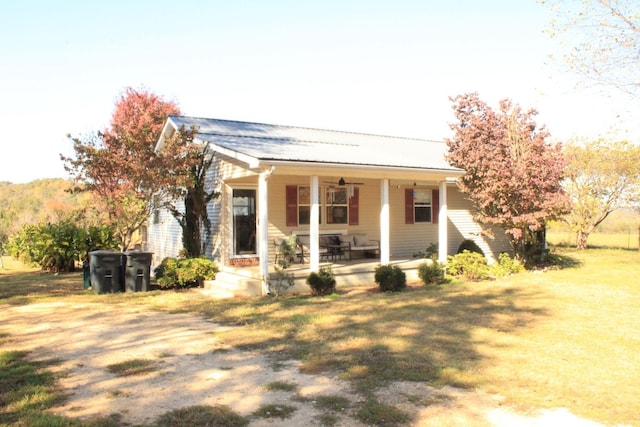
390	278
185	273
430	252
506	266
282	280
471	246
57	247
431	272
323	282
469	265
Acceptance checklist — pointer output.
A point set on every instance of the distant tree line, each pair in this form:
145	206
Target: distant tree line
42	201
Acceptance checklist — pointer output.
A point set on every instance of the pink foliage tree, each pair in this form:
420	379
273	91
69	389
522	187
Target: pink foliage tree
513	174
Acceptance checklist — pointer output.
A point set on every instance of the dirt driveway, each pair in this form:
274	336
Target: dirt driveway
194	369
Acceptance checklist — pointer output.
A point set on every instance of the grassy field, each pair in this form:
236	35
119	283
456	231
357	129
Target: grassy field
628	240
565	337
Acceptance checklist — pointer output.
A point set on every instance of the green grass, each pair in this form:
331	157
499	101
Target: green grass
560	338
332	403
26	389
280	386
375	413
628	240
201	415
133	367
274	411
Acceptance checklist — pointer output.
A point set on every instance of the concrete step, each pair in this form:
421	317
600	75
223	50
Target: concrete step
231	284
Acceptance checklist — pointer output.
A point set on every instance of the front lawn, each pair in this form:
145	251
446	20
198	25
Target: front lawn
564	338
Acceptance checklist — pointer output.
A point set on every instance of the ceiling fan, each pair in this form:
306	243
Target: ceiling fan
342	182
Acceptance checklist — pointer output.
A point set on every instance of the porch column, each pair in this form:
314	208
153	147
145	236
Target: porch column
314	226
263	230
384	222
443	239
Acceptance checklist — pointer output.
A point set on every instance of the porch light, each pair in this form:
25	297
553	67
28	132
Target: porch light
342	181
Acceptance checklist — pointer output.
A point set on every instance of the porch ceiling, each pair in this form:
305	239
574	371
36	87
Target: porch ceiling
350	172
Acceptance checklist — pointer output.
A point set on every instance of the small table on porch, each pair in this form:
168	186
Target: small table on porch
337	251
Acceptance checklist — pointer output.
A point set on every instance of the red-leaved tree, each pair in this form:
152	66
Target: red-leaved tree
119	165
513	174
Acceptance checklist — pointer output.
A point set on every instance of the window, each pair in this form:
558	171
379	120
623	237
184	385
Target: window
337	206
422	205
340	205
304	205
244	221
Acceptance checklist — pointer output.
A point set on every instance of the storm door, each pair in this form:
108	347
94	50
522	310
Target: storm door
244	222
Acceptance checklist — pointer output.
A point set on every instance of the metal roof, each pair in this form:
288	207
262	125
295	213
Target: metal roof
265	142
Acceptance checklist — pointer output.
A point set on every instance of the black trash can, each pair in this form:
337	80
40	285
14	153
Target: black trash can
137	271
105	269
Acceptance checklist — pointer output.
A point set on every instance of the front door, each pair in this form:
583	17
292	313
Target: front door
244	222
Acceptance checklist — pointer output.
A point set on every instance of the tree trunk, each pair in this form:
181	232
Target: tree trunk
191	232
581	240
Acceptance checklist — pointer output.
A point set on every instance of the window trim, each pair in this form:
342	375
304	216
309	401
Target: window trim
292	208
327	206
422	205
409	209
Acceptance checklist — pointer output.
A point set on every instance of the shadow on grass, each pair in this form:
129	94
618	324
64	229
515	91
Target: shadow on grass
25	387
371	339
19	288
426	334
561	260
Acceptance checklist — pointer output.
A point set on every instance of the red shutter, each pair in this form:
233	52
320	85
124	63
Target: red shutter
408	206
435	206
292	205
354	211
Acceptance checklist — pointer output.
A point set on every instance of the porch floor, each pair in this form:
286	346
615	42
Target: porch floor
245	281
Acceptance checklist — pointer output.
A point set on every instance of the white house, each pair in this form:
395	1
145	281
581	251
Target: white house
280	180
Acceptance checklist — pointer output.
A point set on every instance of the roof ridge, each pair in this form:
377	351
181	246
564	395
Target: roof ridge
307	128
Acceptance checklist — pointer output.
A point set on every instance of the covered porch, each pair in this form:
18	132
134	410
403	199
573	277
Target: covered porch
382	213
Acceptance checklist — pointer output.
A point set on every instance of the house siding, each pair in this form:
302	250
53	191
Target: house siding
461	227
368	203
408	239
214	211
164	237
224	169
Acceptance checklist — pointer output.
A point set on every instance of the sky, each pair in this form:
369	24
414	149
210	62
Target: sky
377	67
